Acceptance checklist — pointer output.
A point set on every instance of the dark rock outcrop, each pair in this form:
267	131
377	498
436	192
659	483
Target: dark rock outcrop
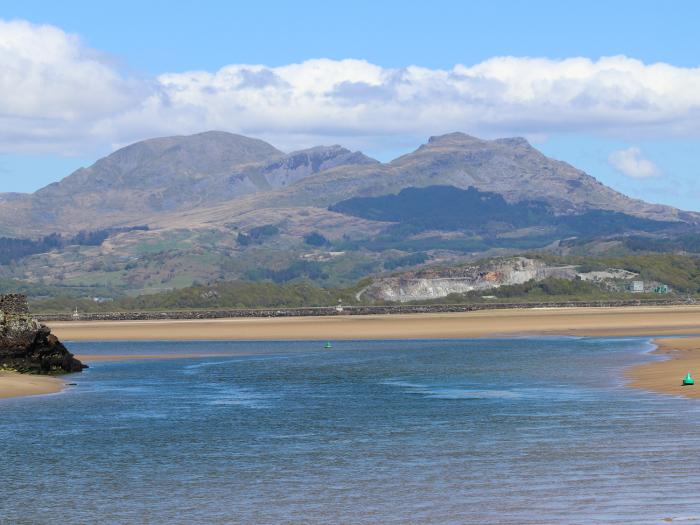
28	346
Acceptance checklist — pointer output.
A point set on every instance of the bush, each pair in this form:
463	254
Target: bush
408	260
316	239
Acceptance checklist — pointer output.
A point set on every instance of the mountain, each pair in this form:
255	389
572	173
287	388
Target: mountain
164	213
153	175
510	167
163	175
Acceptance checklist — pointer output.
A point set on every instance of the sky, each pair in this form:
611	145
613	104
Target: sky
610	87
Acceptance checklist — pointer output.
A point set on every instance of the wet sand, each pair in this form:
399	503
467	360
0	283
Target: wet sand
19	385
623	321
665	377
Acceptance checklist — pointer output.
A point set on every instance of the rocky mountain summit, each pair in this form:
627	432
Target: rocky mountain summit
28	346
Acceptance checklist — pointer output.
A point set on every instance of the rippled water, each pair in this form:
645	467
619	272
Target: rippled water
512	431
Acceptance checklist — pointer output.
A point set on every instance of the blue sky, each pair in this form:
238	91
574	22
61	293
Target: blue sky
159	36
129	45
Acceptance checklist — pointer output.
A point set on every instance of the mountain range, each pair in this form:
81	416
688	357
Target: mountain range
166	212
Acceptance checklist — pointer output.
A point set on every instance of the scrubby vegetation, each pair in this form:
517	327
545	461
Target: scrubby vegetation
237	294
681	272
299	269
453	209
687	243
316	239
13	249
257	235
407	260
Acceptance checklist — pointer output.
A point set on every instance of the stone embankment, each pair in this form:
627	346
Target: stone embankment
349	310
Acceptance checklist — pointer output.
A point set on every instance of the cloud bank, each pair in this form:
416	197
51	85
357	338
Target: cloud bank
631	162
59	96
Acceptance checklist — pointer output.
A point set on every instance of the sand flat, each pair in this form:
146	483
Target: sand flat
13	384
665	377
622	321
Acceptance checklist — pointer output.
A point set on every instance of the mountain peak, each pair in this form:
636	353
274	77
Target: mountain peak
166	161
458	138
454	138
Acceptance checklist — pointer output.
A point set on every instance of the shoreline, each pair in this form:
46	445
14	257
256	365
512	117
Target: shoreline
13	384
665	376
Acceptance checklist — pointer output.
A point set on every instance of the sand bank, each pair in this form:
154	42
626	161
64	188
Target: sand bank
622	321
665	377
18	385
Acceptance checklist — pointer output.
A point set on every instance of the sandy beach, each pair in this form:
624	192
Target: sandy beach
19	385
665	377
624	321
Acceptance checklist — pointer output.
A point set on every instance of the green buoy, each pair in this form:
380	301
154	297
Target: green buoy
688	380
328	345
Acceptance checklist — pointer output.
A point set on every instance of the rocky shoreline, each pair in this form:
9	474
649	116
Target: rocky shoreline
28	346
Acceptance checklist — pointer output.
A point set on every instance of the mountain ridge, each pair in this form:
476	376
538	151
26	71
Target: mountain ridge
160	176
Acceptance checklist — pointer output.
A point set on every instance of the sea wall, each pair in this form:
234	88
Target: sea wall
350	310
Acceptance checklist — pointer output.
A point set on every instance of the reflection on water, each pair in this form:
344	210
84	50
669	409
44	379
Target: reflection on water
513	431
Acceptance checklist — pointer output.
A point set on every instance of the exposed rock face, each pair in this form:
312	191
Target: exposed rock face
433	284
301	164
28	346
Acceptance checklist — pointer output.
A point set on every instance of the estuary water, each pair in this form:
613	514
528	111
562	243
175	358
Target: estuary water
516	431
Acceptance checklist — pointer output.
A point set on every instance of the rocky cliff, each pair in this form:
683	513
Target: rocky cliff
435	283
28	346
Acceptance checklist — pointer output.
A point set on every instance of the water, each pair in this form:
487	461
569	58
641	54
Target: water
518	431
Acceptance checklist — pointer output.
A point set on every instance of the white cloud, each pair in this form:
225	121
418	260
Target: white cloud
58	95
631	162
53	90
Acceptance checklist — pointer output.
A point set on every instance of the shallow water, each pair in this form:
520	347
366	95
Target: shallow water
514	431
